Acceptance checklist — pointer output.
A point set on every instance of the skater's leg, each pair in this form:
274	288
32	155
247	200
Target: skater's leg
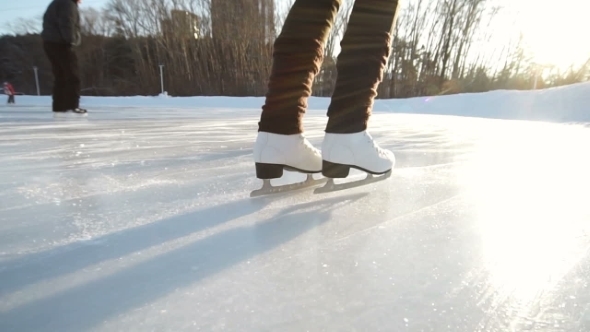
297	58
55	56
366	48
72	79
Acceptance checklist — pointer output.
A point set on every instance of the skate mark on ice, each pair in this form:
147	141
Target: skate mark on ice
402	216
140	284
54	263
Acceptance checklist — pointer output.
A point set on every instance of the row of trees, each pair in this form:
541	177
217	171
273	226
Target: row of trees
437	50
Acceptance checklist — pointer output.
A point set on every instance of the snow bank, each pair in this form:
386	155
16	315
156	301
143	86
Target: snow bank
562	104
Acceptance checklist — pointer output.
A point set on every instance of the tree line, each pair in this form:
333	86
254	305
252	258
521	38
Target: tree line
437	50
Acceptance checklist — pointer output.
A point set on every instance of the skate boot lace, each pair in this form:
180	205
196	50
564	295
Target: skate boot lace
370	139
308	145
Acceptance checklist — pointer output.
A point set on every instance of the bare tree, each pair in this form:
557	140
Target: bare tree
223	47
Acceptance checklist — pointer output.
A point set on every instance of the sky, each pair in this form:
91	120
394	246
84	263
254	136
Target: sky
554	31
11	10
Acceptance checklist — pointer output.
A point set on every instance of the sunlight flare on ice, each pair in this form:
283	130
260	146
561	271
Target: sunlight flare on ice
531	222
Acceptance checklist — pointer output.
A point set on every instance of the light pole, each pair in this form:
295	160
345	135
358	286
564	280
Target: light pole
536	77
162	79
37	80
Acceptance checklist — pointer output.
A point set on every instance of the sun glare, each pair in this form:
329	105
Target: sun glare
530	232
553	32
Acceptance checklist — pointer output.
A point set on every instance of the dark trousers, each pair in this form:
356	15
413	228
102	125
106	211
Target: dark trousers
66	84
10	99
298	55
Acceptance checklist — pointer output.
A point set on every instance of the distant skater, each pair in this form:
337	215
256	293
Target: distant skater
9	90
61	34
297	58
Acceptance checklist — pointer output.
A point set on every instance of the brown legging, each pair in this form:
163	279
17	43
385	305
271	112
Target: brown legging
297	58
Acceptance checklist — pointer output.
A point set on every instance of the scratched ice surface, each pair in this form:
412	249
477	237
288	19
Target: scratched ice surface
137	218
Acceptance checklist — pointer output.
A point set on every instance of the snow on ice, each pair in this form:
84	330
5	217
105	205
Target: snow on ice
138	218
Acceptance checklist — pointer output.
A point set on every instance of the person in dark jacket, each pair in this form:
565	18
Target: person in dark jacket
61	34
